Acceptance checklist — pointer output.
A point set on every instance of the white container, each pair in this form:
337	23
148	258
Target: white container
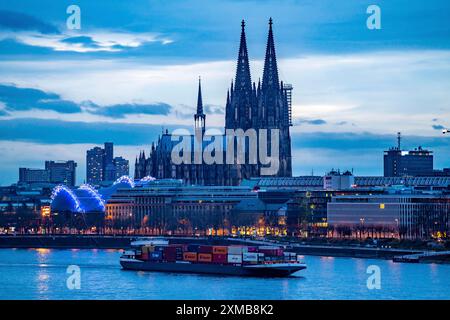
235	250
269	247
234	258
250	257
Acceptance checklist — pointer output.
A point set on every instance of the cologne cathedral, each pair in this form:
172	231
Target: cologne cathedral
265	105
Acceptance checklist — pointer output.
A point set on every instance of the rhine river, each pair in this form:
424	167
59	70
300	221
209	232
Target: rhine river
42	274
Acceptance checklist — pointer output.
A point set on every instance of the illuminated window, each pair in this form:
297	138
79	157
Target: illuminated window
381	205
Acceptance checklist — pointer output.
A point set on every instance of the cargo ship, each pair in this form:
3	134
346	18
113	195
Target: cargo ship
235	260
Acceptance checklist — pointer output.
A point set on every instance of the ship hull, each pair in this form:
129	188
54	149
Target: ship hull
269	270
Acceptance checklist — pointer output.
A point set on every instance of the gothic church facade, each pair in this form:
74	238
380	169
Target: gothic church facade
265	105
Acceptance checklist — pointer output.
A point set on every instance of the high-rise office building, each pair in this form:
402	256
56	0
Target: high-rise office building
417	162
108	154
122	167
28	175
94	165
399	163
62	171
102	166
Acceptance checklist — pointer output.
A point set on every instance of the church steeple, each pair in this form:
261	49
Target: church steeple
199	117
199	98
243	78
239	110
270	74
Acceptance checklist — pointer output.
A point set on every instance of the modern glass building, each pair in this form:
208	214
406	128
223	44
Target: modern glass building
410	215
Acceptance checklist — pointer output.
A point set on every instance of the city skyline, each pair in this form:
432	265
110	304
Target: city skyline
353	88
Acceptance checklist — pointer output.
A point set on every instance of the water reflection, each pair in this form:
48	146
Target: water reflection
41	274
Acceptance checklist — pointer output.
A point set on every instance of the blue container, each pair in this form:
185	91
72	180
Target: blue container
156	255
192	248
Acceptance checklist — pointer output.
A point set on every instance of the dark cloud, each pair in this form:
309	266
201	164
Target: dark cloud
17	21
344	141
213	109
438	127
86	41
66	132
121	110
23	99
314	122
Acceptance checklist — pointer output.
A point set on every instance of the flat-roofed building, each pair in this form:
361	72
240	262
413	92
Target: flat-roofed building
164	206
404	215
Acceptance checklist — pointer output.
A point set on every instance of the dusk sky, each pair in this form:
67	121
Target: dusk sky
132	69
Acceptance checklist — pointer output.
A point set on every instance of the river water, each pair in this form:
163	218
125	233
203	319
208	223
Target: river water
43	274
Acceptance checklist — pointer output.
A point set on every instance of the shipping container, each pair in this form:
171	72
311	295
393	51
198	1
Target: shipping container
276	252
236	249
192	248
205	249
190	256
205	257
234	258
156	256
144	256
219	258
159	248
250	257
220	250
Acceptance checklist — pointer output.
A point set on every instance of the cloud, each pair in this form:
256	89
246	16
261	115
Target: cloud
314	122
364	140
25	99
17	21
438	127
213	109
92	41
22	99
82	40
66	132
121	110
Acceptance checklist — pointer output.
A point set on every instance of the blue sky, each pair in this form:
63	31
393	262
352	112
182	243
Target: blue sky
132	69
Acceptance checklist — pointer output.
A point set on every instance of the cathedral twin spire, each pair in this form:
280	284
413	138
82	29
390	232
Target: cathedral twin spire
249	105
199	117
270	74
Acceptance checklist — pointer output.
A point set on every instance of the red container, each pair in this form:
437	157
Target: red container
252	249
205	249
270	252
219	258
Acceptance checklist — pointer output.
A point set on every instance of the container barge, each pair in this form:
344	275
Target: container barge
237	260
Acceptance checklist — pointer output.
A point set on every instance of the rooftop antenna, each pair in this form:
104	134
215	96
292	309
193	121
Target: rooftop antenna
399	139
